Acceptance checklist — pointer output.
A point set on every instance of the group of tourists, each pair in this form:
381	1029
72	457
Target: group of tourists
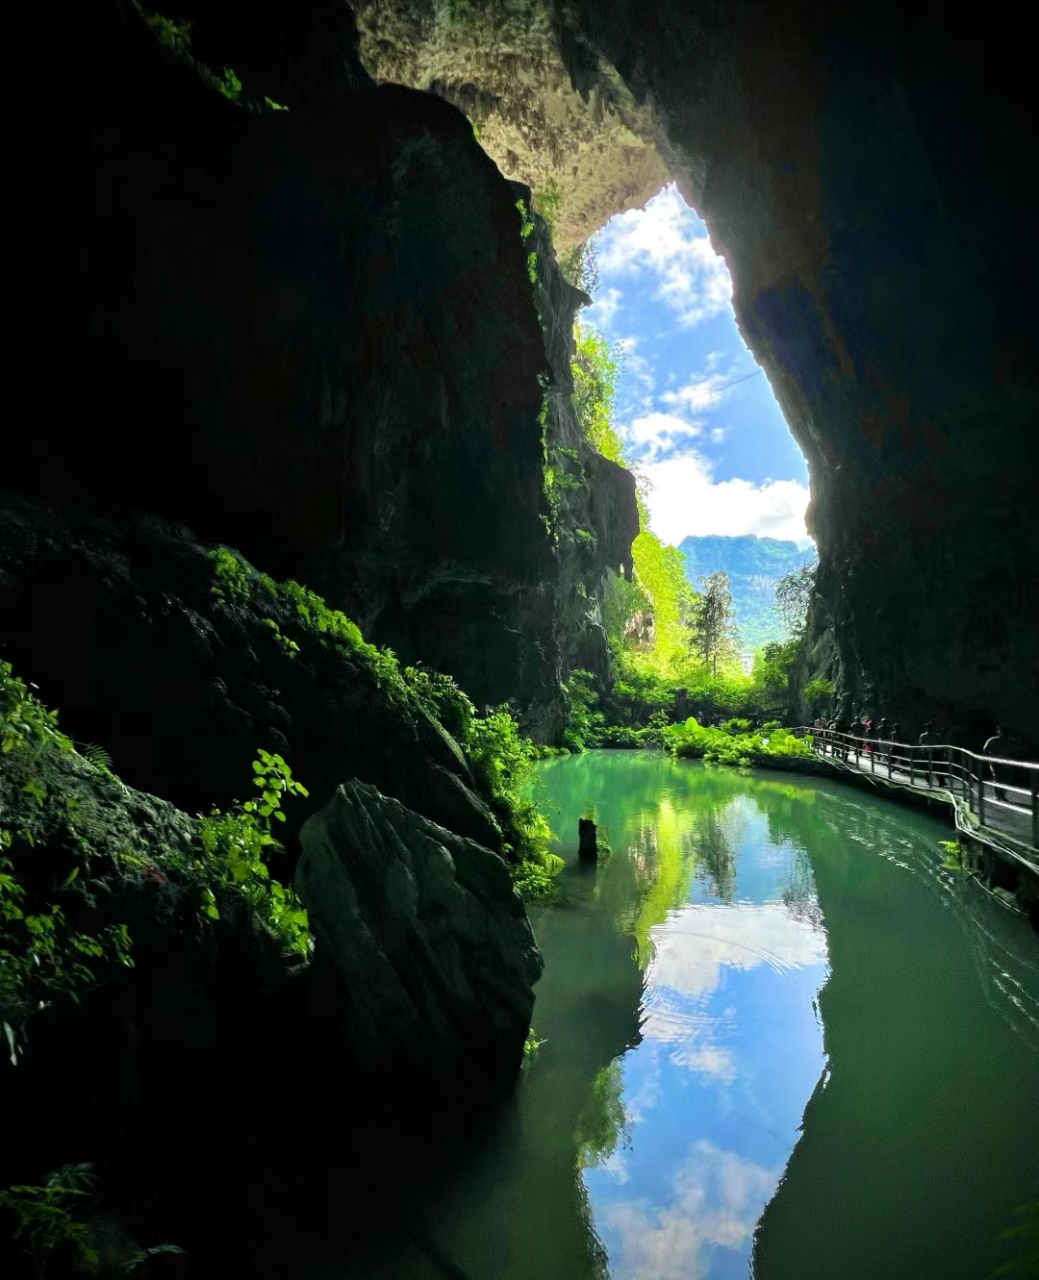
879	740
874	735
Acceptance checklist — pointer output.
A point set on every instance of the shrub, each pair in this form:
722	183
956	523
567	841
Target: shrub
717	746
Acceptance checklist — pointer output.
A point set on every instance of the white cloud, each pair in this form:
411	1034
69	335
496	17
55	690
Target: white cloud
684	499
601	314
717	1199
656	433
690	951
693	946
696	396
668	240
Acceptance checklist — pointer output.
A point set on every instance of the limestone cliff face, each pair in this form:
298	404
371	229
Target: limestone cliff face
502	63
593	517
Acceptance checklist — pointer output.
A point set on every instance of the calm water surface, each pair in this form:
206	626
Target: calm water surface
778	1040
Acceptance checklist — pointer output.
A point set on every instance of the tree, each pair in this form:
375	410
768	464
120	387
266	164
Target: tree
794	595
714	621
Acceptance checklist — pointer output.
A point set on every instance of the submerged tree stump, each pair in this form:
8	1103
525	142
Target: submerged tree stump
588	841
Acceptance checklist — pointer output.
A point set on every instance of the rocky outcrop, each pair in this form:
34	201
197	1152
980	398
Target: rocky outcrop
321	322
128	628
427	933
501	62
593	516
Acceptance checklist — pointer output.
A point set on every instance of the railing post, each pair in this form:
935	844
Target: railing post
981	796
1035	808
930	766
912	757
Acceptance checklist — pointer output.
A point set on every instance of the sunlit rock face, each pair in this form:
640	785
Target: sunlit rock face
862	170
505	63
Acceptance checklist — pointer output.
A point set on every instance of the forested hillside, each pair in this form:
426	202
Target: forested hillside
753	566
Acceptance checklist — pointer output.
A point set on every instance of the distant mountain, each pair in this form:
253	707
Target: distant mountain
754	566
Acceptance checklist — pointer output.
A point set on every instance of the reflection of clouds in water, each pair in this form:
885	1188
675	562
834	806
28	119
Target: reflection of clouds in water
648	1092
690	952
617	1168
692	947
717	1199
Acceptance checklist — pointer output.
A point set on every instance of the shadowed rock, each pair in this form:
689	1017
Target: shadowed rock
428	934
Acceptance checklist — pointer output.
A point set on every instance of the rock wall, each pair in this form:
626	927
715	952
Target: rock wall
501	62
313	336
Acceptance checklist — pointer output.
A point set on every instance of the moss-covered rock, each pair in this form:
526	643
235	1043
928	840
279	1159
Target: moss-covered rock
182	667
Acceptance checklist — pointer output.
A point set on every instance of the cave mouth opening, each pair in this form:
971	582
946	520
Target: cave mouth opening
696	414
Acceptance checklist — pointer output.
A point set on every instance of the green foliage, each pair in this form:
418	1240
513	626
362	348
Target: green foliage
753	566
228	84
234	847
503	761
51	858
42	956
48	1225
48	1219
547	202
602	1123
584	722
526	236
500	758
817	695
175	38
238	583
721	746
793	596
713	622
580	267
536	881
594	370
531	1045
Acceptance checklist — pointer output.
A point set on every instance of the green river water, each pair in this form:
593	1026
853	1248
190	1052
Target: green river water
779	1040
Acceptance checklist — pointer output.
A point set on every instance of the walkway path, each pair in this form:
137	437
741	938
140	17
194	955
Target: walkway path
1001	810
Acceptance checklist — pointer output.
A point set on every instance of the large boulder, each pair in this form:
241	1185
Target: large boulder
428	934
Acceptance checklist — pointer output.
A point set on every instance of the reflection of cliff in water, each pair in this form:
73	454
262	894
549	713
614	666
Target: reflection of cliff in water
520	1209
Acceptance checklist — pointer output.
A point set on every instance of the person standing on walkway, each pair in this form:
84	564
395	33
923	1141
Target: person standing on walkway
894	734
928	739
997	745
841	728
883	739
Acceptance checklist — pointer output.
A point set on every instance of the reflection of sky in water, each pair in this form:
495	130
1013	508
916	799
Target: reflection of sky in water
731	1051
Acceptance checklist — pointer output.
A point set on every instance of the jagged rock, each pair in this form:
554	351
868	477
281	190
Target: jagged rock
428	934
503	63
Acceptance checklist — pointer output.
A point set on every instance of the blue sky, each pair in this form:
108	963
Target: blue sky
709	439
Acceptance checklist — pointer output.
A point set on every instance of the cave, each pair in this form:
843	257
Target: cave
290	296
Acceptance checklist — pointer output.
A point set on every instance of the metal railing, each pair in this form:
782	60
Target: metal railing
1000	793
